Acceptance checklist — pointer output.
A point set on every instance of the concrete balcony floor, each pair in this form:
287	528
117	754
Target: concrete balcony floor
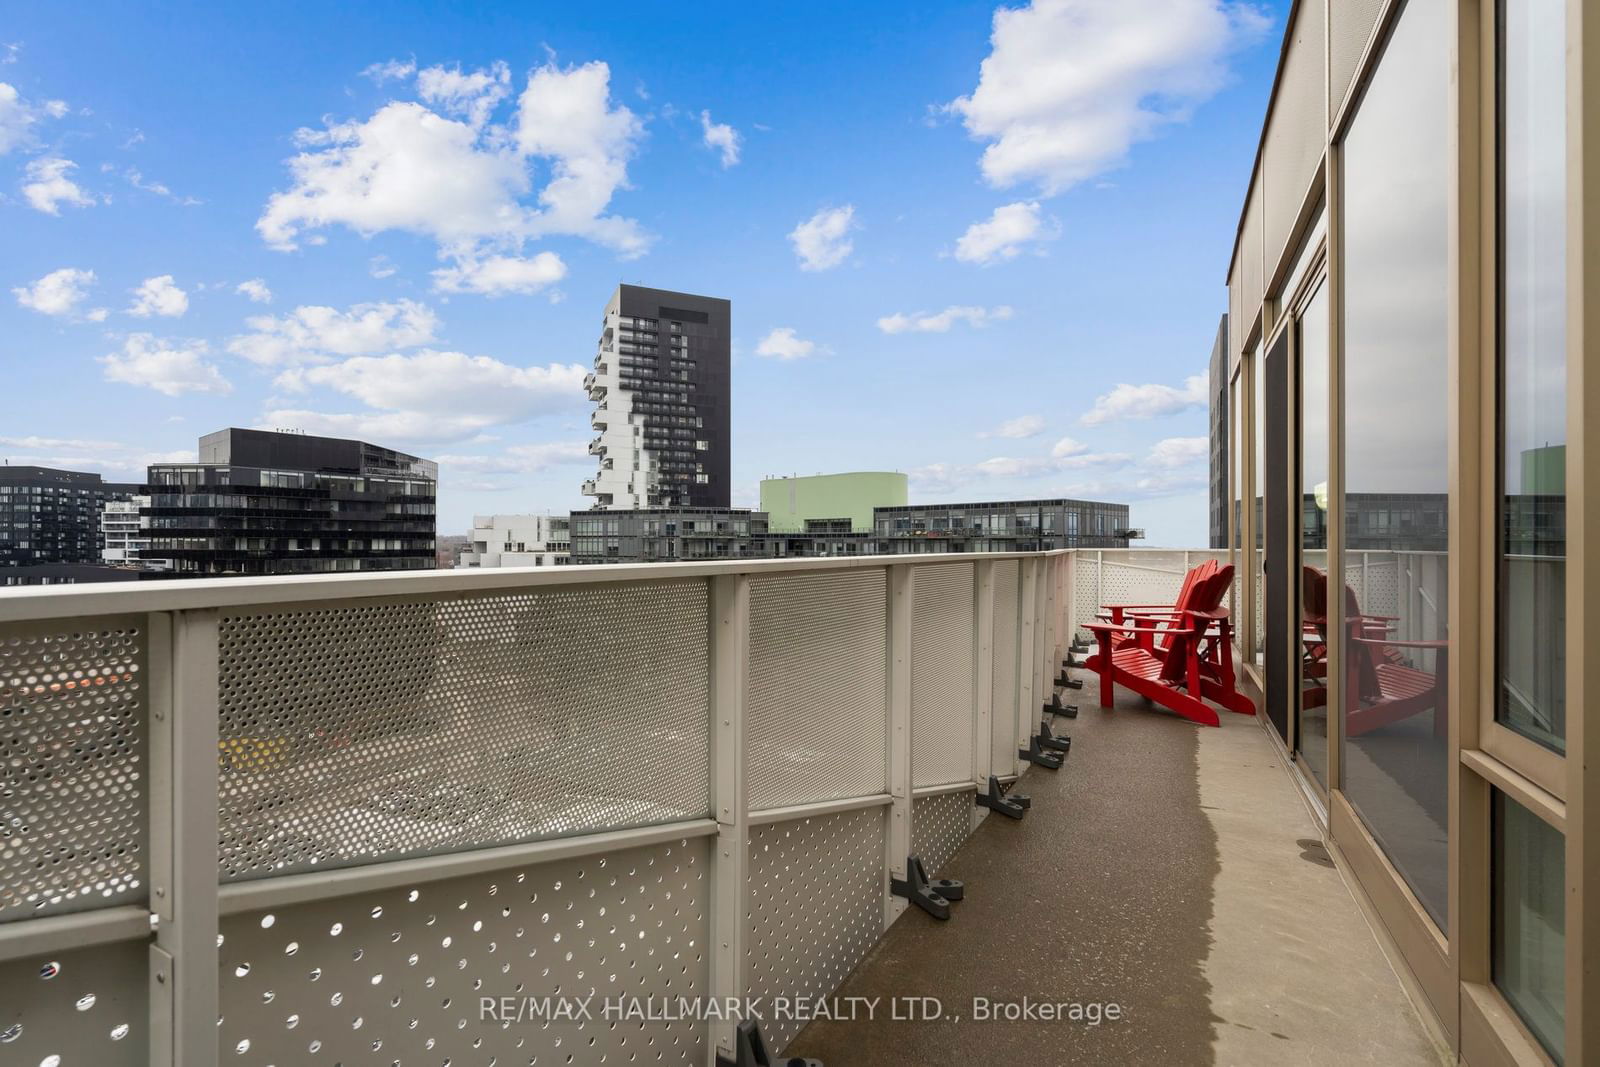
1168	868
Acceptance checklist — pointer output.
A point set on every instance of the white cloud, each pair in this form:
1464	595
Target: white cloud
1004	234
1172	452
940	322
58	292
1147	401
783	343
49	185
470	188
98	314
173	368
317	334
430	396
86	454
256	289
158	296
381	267
1067	448
823	240
137	180
449	383
1021	427
520	459
17	116
1070	85
499	275
390	69
948	477
473	95
720	137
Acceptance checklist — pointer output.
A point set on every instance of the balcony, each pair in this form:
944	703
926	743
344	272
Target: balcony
597	447
588	487
346	816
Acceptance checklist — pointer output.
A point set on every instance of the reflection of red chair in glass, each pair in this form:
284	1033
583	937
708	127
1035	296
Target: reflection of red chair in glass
1383	686
1192	660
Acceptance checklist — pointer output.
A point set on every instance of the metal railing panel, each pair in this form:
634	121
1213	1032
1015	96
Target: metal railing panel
939	825
942	674
85	1005
454	971
74	765
815	908
352	734
1003	721
818	687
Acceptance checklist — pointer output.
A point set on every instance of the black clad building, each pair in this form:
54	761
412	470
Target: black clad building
261	502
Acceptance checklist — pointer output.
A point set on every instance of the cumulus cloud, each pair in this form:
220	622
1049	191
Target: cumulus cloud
474	95
721	138
390	69
57	293
1004	234
158	296
1023	426
73	453
941	321
432	395
1147	401
317	334
49	185
170	367
500	275
463	181
1173	452
256	289
1070	85
17	116
783	343
823	240
520	459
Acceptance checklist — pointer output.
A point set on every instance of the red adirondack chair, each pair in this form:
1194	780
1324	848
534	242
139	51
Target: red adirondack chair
1155	617
1386	687
1193	663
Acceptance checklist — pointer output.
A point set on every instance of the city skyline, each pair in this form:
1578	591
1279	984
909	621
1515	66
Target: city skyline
959	309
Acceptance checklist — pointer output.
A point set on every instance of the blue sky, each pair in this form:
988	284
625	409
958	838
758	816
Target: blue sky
986	249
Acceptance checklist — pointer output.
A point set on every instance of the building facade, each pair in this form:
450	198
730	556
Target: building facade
792	502
667	534
660	387
123	535
259	502
52	517
1410	388
517	541
1219	436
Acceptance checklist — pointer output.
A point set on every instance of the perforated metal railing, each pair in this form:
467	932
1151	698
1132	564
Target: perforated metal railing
397	818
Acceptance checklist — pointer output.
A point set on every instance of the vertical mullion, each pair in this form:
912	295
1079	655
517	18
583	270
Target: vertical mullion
897	838
730	796
1028	666
982	670
183	832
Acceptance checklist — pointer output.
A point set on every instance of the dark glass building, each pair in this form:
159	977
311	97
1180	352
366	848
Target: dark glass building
661	391
665	534
259	502
52	517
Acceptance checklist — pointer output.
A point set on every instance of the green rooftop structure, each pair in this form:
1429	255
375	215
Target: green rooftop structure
791	502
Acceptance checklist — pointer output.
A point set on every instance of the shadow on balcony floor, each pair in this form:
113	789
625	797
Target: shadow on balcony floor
1167	869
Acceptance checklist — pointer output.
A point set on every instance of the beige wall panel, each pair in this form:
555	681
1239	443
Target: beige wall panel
1350	27
1251	261
1235	316
1296	132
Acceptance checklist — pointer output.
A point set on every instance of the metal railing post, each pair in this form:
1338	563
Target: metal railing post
1028	639
983	709
730	798
897	839
183	837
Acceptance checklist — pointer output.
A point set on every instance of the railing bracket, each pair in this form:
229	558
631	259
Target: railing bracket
997	800
1055	707
750	1050
933	897
1066	682
1047	739
1038	756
